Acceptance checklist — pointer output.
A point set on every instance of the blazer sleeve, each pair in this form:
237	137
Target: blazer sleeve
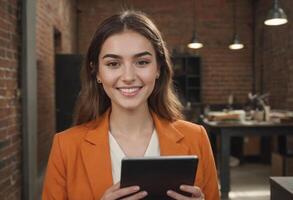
210	186
54	187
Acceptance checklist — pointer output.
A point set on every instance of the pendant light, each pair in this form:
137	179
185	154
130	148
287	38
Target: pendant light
276	15
236	44
194	43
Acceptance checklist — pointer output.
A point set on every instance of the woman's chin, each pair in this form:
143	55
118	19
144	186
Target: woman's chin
130	106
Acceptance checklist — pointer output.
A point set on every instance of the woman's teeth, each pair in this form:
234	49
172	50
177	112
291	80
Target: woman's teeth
128	90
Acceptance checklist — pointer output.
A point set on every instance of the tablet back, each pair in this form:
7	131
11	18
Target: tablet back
156	175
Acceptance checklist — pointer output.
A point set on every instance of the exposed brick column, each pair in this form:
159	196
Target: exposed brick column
10	134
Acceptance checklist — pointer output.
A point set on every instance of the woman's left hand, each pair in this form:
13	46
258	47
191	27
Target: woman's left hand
196	193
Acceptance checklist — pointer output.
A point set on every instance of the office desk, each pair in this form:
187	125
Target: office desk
226	130
281	188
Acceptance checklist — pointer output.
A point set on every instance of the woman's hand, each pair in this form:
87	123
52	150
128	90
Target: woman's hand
115	192
195	191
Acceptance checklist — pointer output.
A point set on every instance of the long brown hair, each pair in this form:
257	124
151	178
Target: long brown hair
93	101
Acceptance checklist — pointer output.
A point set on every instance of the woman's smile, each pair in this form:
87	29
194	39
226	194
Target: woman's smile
129	91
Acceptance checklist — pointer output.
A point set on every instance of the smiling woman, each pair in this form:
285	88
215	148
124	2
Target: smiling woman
128	75
126	108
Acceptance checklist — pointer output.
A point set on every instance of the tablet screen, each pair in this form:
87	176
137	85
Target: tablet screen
156	175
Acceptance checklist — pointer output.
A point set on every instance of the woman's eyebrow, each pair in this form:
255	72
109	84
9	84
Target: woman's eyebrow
111	56
142	54
120	57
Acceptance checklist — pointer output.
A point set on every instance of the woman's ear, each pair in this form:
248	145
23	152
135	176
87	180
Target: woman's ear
158	72
158	75
98	79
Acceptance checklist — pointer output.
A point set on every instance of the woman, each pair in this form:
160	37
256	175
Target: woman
126	107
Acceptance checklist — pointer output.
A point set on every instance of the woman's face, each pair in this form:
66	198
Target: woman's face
128	69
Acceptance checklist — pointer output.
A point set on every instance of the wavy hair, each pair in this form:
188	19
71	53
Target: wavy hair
93	101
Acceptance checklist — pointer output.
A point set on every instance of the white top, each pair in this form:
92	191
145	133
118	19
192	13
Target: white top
117	153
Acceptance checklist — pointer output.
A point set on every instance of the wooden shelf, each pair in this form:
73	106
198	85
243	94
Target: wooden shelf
187	77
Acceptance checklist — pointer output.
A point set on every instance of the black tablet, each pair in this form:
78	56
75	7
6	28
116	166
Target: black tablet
156	175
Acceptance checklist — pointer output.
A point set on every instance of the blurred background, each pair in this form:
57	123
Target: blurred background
238	74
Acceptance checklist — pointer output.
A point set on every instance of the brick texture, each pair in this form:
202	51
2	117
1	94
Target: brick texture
10	135
274	57
225	72
52	16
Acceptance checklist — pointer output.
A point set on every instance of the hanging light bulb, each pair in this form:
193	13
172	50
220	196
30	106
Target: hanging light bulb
194	43
276	15
236	44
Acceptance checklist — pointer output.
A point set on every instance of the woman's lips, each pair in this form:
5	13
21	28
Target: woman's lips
129	91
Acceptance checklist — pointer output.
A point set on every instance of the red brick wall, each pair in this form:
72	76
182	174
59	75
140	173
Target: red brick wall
10	134
224	71
60	15
274	55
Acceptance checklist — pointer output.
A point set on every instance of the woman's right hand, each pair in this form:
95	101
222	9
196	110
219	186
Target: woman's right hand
115	192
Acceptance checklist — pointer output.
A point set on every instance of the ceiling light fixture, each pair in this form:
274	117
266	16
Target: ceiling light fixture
276	15
194	43
236	44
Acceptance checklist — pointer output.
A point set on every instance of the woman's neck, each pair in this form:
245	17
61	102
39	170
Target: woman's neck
132	123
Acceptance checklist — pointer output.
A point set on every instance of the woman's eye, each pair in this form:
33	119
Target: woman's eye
142	62
113	64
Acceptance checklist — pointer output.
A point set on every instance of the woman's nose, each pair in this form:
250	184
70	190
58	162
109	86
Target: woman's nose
128	73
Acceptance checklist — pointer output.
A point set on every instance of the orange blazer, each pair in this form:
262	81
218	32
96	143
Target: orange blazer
79	166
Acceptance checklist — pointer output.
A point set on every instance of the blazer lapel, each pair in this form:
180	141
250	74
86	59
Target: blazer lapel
169	138
95	152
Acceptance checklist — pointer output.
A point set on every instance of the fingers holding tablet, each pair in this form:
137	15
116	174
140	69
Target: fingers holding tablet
126	193
139	195
196	193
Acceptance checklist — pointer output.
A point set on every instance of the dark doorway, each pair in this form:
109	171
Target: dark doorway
67	86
